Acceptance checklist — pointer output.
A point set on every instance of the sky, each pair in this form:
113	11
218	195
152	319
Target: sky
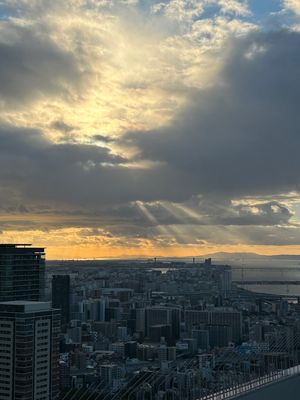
142	128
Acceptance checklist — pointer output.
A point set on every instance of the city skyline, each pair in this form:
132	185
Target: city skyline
138	128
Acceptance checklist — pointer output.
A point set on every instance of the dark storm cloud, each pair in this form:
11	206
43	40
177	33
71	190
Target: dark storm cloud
241	136
31	65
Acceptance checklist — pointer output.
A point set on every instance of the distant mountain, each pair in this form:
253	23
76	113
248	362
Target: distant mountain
249	256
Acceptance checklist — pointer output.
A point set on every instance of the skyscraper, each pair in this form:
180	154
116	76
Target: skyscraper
29	341
61	296
22	272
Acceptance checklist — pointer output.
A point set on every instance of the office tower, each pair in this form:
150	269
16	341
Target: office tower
140	316
61	296
91	310
130	349
29	346
122	333
22	272
64	375
156	316
163	316
232	318
159	331
225	281
109	373
219	335
166	353
202	337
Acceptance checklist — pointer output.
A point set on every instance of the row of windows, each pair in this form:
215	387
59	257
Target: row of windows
42	362
43	349
41	331
5	375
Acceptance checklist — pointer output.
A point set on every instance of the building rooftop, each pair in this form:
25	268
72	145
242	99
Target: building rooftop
15	245
24	306
11	248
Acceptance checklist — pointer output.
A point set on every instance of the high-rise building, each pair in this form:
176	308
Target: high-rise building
232	318
61	296
22	272
165	316
130	349
109	373
202	337
159	331
219	335
29	346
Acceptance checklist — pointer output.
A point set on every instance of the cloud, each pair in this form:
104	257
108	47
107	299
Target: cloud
40	169
62	126
147	126
239	137
235	7
293	5
32	66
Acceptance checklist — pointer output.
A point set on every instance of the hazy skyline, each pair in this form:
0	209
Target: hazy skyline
143	127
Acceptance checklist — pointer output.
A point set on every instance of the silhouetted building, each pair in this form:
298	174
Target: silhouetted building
130	349
159	331
64	375
22	272
61	296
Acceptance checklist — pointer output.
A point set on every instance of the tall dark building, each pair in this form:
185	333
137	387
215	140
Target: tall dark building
22	272
29	351
61	296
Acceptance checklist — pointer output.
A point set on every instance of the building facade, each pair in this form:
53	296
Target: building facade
22	272
29	351
61	296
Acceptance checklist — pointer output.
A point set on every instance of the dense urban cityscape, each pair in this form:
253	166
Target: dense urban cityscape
137	329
